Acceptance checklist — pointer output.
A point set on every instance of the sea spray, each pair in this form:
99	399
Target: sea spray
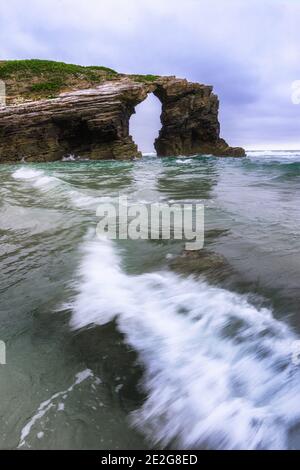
218	371
40	180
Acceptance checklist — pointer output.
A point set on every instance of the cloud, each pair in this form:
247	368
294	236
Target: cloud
249	51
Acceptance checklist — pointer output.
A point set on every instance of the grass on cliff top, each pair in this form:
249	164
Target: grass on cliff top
10	68
145	78
36	79
38	67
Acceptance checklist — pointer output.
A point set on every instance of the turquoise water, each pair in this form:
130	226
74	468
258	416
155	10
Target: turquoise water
107	347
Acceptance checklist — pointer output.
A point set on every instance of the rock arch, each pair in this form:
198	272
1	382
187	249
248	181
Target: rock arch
94	123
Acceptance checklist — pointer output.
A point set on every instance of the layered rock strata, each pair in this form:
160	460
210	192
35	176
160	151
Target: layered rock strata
94	123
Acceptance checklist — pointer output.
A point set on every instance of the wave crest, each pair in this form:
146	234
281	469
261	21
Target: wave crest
218	371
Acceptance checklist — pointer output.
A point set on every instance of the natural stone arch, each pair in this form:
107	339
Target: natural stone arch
94	123
189	119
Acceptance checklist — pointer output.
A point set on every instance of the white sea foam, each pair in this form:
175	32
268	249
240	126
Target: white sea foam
273	153
24	173
218	370
184	161
51	403
46	183
38	178
149	154
69	158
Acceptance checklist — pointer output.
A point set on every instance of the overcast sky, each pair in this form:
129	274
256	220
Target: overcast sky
248	50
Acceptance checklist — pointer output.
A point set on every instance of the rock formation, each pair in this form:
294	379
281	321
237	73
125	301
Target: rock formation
94	123
189	119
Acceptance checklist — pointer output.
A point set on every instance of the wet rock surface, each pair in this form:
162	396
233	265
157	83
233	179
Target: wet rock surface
201	262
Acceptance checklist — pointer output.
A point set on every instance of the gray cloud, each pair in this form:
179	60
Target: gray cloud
249	51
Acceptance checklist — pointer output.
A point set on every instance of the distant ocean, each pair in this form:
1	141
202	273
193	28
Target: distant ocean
109	347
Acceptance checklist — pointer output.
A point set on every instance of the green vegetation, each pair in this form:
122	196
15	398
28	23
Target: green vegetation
103	69
40	67
145	78
149	78
36	79
46	87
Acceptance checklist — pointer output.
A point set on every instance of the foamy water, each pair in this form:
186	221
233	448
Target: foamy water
216	367
218	372
274	155
56	402
46	183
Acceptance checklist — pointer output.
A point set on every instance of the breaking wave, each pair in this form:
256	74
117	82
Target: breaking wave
218	371
274	155
40	180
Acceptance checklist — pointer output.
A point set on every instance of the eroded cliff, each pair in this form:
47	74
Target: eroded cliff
94	122
190	123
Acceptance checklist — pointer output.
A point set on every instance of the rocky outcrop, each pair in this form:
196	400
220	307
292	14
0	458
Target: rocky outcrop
190	122
91	123
94	123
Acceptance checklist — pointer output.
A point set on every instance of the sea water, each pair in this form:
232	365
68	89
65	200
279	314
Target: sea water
108	347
